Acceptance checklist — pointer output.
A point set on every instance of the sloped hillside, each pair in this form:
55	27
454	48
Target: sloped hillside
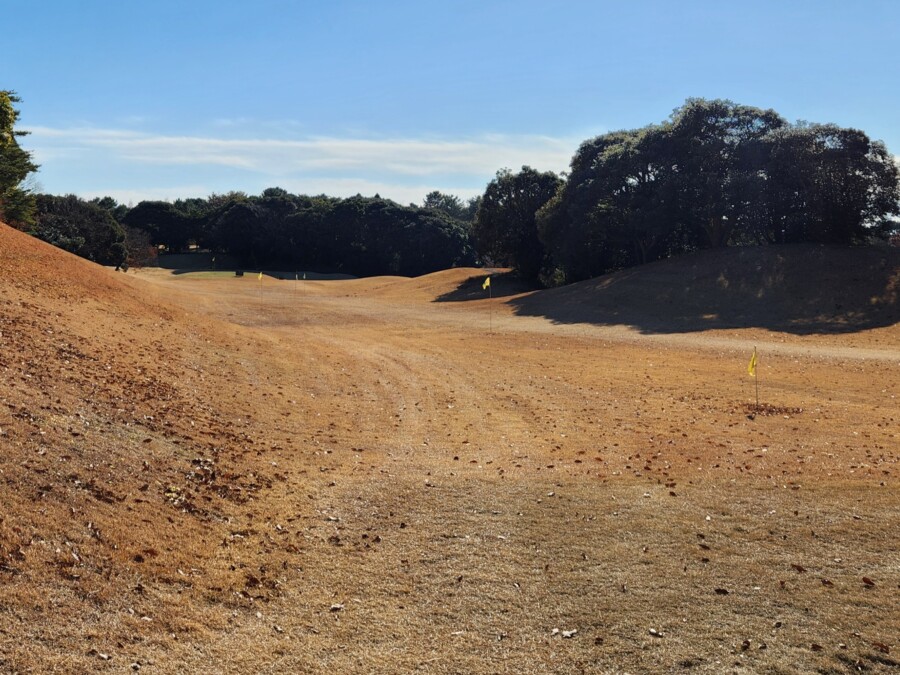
116	472
801	289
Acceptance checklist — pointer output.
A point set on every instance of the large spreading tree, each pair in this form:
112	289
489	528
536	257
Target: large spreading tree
715	174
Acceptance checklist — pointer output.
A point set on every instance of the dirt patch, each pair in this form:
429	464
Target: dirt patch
768	410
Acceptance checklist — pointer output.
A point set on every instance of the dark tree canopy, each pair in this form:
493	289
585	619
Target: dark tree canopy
80	227
378	236
829	185
715	174
718	150
452	205
358	235
505	230
116	210
168	227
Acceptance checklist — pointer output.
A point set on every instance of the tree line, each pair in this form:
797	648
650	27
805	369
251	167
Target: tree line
357	235
714	174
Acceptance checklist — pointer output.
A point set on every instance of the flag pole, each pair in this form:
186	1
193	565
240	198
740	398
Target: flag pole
487	286
259	287
751	370
756	379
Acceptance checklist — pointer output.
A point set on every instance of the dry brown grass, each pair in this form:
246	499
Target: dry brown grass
223	475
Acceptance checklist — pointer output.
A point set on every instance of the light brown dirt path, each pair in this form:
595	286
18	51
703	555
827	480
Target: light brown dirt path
542	477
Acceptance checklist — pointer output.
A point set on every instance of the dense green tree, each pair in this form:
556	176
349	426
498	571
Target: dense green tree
505	230
828	184
363	235
471	208
412	241
166	225
435	242
276	192
274	239
16	202
719	150
235	228
618	207
79	227
716	173
217	201
313	243
118	211
452	205
572	224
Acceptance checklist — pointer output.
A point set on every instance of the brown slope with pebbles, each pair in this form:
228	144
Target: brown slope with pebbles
388	475
118	470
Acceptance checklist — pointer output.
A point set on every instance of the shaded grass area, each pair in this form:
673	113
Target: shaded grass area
801	289
502	286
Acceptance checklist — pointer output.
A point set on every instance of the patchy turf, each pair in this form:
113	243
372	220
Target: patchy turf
231	475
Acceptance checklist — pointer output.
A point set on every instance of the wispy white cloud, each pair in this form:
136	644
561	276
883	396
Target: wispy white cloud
132	166
481	156
226	122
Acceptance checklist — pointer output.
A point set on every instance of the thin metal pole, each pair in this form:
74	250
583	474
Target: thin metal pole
756	378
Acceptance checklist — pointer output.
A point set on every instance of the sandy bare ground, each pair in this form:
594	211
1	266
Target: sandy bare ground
204	473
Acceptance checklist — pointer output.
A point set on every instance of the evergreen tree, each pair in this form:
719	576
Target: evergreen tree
16	202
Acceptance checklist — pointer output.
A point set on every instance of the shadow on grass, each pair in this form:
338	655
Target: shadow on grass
502	286
803	290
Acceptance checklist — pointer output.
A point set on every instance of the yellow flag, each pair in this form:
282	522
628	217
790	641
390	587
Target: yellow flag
486	285
751	367
260	276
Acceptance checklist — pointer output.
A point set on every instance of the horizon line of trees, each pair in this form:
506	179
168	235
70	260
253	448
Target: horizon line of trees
714	174
358	235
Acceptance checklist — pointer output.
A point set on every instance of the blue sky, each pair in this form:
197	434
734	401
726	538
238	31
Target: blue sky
144	99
